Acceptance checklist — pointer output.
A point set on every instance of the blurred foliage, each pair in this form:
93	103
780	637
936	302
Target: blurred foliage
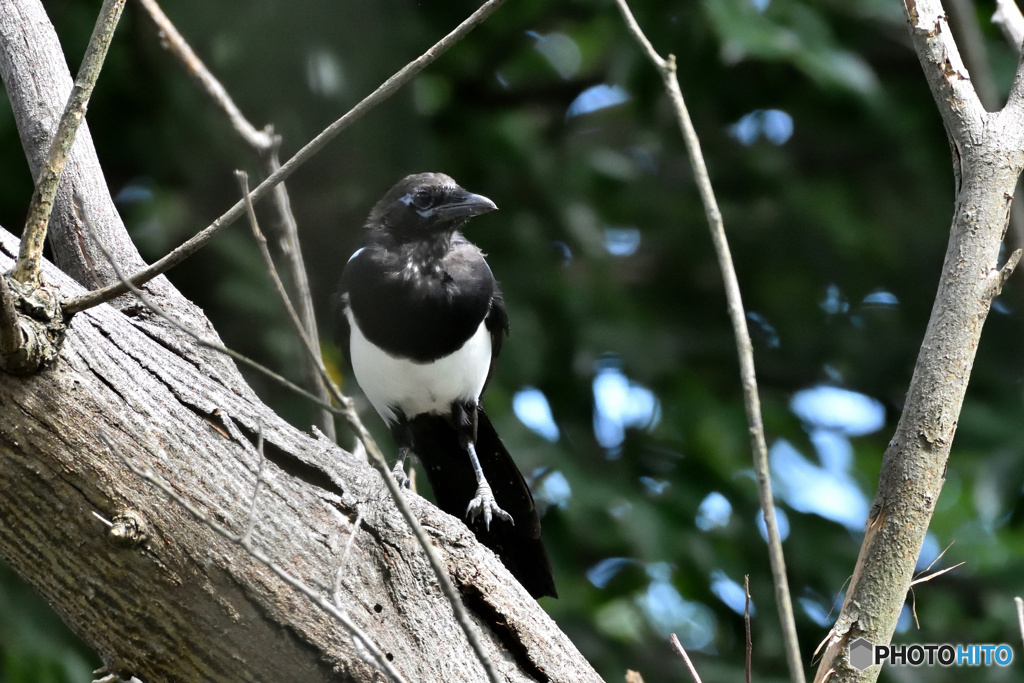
834	178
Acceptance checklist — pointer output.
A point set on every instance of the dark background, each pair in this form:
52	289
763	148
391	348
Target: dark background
833	173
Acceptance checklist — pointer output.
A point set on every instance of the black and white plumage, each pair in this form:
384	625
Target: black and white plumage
423	320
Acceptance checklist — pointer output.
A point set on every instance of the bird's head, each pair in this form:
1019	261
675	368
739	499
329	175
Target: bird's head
424	205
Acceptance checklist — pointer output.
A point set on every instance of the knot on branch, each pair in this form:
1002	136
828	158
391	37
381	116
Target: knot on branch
32	326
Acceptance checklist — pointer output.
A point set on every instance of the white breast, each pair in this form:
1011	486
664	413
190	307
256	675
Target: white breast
397	384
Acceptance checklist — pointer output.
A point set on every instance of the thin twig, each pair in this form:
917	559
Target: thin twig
266	145
344	556
380	661
199	240
686	658
1009	18
752	404
33	237
929	577
312	352
746	623
1020	615
291	251
251	519
173	40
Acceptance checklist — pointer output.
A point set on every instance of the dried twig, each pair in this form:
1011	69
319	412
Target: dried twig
26	270
358	635
251	519
1020	615
746	623
1008	18
261	140
344	556
686	658
199	240
667	69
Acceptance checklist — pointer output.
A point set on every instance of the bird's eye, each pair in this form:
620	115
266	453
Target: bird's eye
422	200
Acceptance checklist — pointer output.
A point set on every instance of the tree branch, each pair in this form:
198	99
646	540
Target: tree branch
383	92
1008	18
751	402
987	163
33	238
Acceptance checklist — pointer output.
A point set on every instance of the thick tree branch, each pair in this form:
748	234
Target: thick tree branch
987	161
744	348
383	92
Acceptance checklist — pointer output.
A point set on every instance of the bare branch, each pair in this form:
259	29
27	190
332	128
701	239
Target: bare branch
1008	18
33	238
944	70
686	658
987	162
1020	615
746	625
268	262
744	348
261	140
384	91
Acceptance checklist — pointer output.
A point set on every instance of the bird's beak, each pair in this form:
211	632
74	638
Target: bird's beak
464	205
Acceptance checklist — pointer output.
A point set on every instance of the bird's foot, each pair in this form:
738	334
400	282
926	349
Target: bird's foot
398	472
484	504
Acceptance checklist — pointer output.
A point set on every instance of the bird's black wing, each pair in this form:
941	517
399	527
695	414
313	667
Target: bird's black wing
496	323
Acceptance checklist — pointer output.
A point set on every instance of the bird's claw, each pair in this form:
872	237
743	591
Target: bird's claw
398	472
484	504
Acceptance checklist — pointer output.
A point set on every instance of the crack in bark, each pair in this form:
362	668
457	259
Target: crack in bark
476	602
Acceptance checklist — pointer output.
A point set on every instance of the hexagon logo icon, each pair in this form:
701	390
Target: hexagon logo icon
861	654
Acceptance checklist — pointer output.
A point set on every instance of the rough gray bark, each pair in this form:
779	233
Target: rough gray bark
180	602
988	155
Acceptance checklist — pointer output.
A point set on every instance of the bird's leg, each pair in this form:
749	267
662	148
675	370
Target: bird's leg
483	502
403	437
398	471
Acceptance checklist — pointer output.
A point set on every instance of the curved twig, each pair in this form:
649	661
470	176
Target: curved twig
667	68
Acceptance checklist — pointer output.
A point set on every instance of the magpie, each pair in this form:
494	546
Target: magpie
422	320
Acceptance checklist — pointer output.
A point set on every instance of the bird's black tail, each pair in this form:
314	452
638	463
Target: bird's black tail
454	484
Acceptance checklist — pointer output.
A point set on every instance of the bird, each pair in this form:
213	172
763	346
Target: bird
421	322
